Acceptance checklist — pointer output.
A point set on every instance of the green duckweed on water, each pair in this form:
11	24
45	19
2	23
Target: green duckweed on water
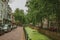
35	35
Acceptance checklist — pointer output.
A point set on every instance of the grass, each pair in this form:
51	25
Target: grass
35	35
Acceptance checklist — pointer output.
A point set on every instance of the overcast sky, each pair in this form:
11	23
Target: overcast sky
18	4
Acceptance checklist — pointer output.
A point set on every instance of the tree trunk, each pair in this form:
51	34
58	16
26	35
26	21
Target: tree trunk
58	19
41	23
48	22
58	14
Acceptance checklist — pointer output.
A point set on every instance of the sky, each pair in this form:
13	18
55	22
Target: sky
18	4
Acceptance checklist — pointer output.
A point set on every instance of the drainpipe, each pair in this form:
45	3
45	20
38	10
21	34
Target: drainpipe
2	16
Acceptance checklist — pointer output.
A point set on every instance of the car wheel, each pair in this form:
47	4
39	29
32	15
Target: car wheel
9	29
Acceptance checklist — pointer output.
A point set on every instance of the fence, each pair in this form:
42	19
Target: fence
26	35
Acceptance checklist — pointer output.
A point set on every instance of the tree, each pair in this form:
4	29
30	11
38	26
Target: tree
19	15
40	9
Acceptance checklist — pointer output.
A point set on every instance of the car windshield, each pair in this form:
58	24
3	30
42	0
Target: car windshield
6	25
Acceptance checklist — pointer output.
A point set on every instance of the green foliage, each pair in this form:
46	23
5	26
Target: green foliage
19	15
35	35
40	9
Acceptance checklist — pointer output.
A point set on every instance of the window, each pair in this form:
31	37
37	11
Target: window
1	13
4	0
0	5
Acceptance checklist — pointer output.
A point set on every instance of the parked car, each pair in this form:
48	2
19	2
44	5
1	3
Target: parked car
14	26
6	28
1	30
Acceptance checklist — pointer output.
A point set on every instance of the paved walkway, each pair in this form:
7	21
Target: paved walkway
16	34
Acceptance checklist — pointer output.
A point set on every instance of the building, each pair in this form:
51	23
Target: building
1	12
12	19
7	16
5	12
